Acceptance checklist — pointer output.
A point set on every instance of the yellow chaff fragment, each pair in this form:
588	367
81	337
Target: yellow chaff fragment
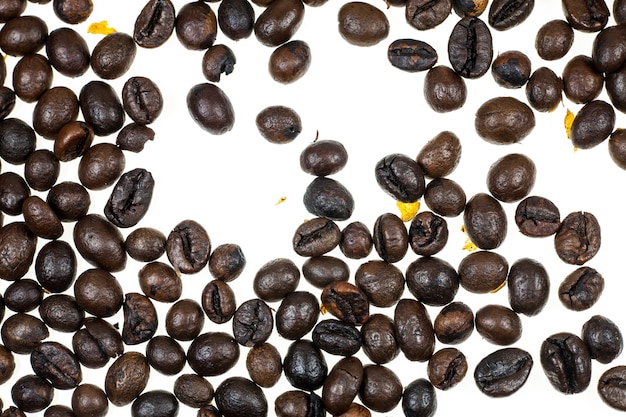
469	245
281	200
408	210
323	309
495	290
101	28
569	120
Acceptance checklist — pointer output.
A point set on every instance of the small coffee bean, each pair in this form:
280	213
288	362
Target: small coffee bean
23	35
342	385
537	216
58	364
323	157
432	280
483	271
165	355
566	362
164	401
126	378
470	48
32	76
617	147
297	402
41	219
504	120
603	338
414	330
316	237
140	319
23	295
69	200
606	53
544	90
440	155
428	233
362	24
578	239
130	198
390	237
278	124
113	55
89	400
101	107
446	368
193	390
593	123
100	243
211	108
13	192
98	292
320	271
253	322
142	100
73	11
290	61
581	289
217	60
279	22
7	101
445	197
511	69
184	320
424	15
444	89
133	137
485	221
356	241
337	337
327	197
97	343
528	286
419	397
611	387
582	82
17	140
155	23
454	323
401	177
511	177
41	169
276	279
506	14
32	393
55	108
613	83
503	372
411	55
196	25
554	40
18	244
297	314
73	140
61	312
236	395
235	19
264	365
382	282
498	324
586	16
213	353
11	9
188	247
379	340
145	244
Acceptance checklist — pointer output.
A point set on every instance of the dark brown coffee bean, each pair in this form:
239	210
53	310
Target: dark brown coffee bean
89	400
401	177
126	378
346	302
498	324
554	40
381	389
218	301
581	289
290	61
506	14
155	23
511	177
145	244
544	90
446	368
297	314
414	330
593	123
227	262
275	279
390	237
440	155
41	169
73	140
213	353
454	323
582	82
613	84
130	198
327	197
444	89
101	107
236	395
113	55
504	120
424	15
41	219
419	397
264	365
73	11
320	271
617	147
56	363
193	390
428	233
32	393
217	60
483	271
61	312
235	19
323	157
100	243
316	237
18	244
97	343
432	280
279	22
7	101
470	48
55	108
278	124
337	337
578	239
69	200
586	15
606	53
184	319
188	247
411	55
13	192
342	385
196	25
98	292
619	11
528	286
142	100
164	401
165	355
211	108
22	333
17	140
140	319
68	52
32	76
23	295
537	216
503	372
485	221
611	388
23	35
11	9
133	137
379	340
253	322
356	241
566	362
445	197
511	69
362	24
382	282
603	338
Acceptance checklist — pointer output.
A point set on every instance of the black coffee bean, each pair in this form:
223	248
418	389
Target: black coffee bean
611	387
297	314
7	101
566	362
13	192
454	323
337	337
213	353
155	23
581	289
41	219
619	11
414	330
193	390
511	177
419	398
381	389
17	140
264	365
382	282
428	233
235	19
130	198
217	60
61	312
18	245
323	157
184	320
236	395
12	9
593	123
304	365
537	216
356	241
218	301
196	25
401	177
603	338
100	243
278	124
446	368
188	247
22	333
390	237
379	340
582	82
528	286
101	107
504	120
69	200
98	292
498	324
210	108
327	197
424	15
316	237
142	100
126	378
485	221
470	48
503	372
411	55
58	364
346	302
444	89
253	322
342	385
606	53
432	280
275	279
586	15
140	319
362	24
578	239
164	402
165	355
506	14
511	69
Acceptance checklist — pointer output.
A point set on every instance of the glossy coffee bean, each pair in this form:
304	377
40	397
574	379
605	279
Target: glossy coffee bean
184	320
316	237
133	137
13	192
566	362
188	247
164	401
581	288
69	200
414	330
382	282
603	338
470	48
165	355
544	90
304	365
445	197
72	11
97	343
32	393
586	16
298	402
320	271
142	100
18	244
613	83
503	372
98	292
337	337
213	353
253	322
506	14
419	398
126	378
23	35
511	69
504	120
22	333
554	39
582	82
89	400
617	147
100	243
140	319
446	368
362	24
297	314
264	365
346	302
444	89
41	169
278	124
528	286
483	271
611	388
61	312
193	390
210	108
32	76
440	155
235	19
578	239
454	323
290	61
428	233
390	237
130	198
276	279
401	177
101	107
236	395
498	324
342	385
356	240
58	364
41	219
327	197
196	25
485	221
17	140
381	389
432	280
68	52
113	55
511	177
73	140
537	216
23	295
424	15
411	55
593	124
154	24
145	244
218	301
379	340
55	108
323	157
606	53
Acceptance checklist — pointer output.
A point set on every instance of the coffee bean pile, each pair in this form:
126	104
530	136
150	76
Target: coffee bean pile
163	286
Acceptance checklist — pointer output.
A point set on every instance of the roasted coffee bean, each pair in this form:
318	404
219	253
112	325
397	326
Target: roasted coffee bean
133	137
419	398
390	237
98	292
142	100
140	319
411	55
211	108
32	76
278	124
483	271
316	237
578	239
145	244
7	101
279	22
504	120
290	61
454	323
264	365
17	140
130	198
155	403
218	301
57	363
511	69
155	23
342	385
23	295
213	353
253	322
554	40
113	55
126	378
566	362
32	393
432	280
184	319
68	52
379	340
586	15
593	123
69	200
165	355
41	169
13	192
101	107
23	35
603	338
428	233
275	279
59	410
445	197
320	271
381	389
41	219
11	9
498	324
617	147
581	289
424	15
227	262
236	395
327	197
619	11
73	11
414	330
537	216
337	337
100	243
485	221
97	343
611	387
506	14
582	82
89	400
444	89
61	312
613	84
544	90
446	368
465	8
362	24
356	241
511	177
401	177
73	140
55	108
188	247
217	60
470	48
22	333
323	157
304	365
440	155
346	302
382	282
297	402
18	244
503	372
196	25
606	53
193	390
528	286
235	19
297	314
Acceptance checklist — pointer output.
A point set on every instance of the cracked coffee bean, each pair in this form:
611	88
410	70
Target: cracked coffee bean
566	362
503	372
130	198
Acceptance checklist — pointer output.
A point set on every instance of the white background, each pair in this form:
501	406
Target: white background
231	183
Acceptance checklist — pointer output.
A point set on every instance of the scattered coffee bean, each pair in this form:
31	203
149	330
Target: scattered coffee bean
581	289
503	372
566	362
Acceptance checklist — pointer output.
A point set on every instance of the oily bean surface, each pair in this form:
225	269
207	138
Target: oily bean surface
503	372
578	239
566	362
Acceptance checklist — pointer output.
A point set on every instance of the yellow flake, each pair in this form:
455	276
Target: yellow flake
495	290
101	28
408	210
569	120
469	245
281	200
323	309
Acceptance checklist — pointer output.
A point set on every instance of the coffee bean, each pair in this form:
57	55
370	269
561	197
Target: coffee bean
100	243
276	279
581	289
184	319
470	48
56	363
217	60
73	140
428	233
160	282
89	400
196	25
511	177
55	108
126	378
211	108
414	330
23	295
213	353
130	198
145	244
41	169
32	393
611	387
503	372
346	302
164	401
327	197
18	244
342	385
316	237
22	333
13	192
133	137
236	395
578	239
446	368
432	280
424	15
218	301
155	23
7	101
113	55
279	124
411	55
554	39
32	76
603	338
236	19
582	82
41	219
73	11
142	100
23	35
188	247
297	314
483	271
613	81
320	271
61	312
165	355
97	343
356	241
98	292
544	90
498	324
606	53
445	197
454	323
506	14
68	52
617	147
253	322
485	221
11	9
193	390
17	140
390	237
401	177
69	200
440	155
444	89
304	365
279	22
528	286
264	365
379	340
337	337
381	389
362	24
323	157
511	69
504	120
419	398
290	61
566	362
297	402
382	282
140	319
593	123
586	16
